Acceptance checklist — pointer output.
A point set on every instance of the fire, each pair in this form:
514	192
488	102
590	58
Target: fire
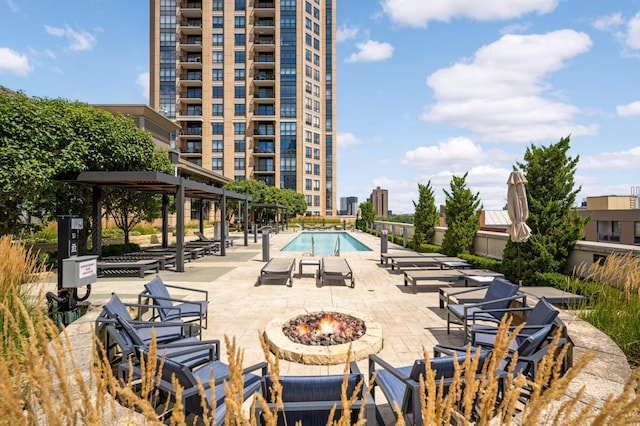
328	325
303	329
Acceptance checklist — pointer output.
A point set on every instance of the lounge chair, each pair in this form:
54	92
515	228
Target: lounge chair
172	308
228	242
386	257
401	385
309	399
498	296
278	268
336	268
189	380
117	267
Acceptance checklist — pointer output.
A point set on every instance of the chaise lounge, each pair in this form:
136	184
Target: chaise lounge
336	268
278	268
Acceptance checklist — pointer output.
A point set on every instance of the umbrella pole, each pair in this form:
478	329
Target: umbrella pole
519	266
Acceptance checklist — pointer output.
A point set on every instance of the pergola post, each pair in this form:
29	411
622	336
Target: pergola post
96	221
180	226
165	221
246	222
223	223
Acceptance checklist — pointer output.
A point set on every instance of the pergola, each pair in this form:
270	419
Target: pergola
165	185
279	208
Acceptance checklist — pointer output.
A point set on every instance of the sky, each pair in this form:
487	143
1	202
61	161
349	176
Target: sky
426	90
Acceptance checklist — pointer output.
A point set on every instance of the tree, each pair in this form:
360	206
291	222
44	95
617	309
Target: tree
129	208
462	215
426	215
42	139
367	215
555	224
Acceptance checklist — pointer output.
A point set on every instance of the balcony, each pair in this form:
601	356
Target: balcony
191	62
191	132
190	44
264	9
264	94
265	59
191	26
190	79
191	9
264	76
264	23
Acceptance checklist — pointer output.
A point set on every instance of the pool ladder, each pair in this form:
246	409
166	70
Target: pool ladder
336	249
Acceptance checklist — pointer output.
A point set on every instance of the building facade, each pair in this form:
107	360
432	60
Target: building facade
380	200
251	83
614	219
348	206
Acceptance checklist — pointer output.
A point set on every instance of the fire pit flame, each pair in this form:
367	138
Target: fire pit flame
324	329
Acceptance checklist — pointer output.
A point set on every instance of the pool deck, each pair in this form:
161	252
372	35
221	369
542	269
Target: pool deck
410	322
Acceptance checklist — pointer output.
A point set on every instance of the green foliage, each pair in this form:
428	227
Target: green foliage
426	215
42	139
549	279
367	215
462	215
427	248
112	233
555	224
481	262
144	229
401	218
119	249
129	208
260	192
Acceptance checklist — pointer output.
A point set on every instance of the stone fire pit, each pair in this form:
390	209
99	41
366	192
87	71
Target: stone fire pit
327	349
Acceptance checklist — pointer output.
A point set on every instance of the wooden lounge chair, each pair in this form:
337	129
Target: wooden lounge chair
333	268
278	268
124	267
386	257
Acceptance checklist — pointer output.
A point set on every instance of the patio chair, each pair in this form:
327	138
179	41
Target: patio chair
541	314
336	268
401	385
499	295
188	380
190	351
165	331
172	308
278	268
530	351
309	399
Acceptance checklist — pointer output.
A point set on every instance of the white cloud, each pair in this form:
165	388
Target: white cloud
347	140
633	34
449	152
518	28
418	13
78	41
612	160
15	63
13	6
629	110
608	22
143	82
345	33
500	93
371	51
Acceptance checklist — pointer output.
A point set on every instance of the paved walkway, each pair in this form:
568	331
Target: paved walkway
410	322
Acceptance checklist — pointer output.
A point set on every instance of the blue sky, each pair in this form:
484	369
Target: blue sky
426	89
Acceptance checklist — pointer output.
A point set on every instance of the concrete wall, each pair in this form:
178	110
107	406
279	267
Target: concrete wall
491	244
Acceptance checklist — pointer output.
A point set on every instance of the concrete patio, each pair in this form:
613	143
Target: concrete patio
410	322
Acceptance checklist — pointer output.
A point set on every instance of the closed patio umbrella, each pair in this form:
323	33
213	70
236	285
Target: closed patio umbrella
518	209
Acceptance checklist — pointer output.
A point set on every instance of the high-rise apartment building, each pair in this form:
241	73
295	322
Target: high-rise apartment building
348	206
380	200
251	83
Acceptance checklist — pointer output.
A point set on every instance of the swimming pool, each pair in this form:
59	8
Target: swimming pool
325	243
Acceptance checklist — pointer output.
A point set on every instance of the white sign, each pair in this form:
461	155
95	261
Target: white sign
87	268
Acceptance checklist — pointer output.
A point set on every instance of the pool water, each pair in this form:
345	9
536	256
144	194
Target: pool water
325	243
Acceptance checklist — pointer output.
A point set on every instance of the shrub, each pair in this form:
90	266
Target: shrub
112	233
480	262
144	230
119	249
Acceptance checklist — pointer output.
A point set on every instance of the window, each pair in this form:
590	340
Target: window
308	199
240	4
239	22
316	75
216	164
316	13
239	39
307	184
316	106
636	232
239	109
608	230
239	74
307	152
238	164
316	169
308	168
217	57
307	23
316	90
316	60
217	74
218	22
218	4
316	185
316	200
239	128
239	57
308	39
316	138
217	128
316	154
217	110
307	119
307	136
194	110
217	39
239	145
216	145
239	92
307	87
307	71
316	121
316	44
217	92
308	7
316	28
307	55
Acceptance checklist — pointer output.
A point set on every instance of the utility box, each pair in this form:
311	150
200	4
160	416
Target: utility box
383	241
265	245
79	271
